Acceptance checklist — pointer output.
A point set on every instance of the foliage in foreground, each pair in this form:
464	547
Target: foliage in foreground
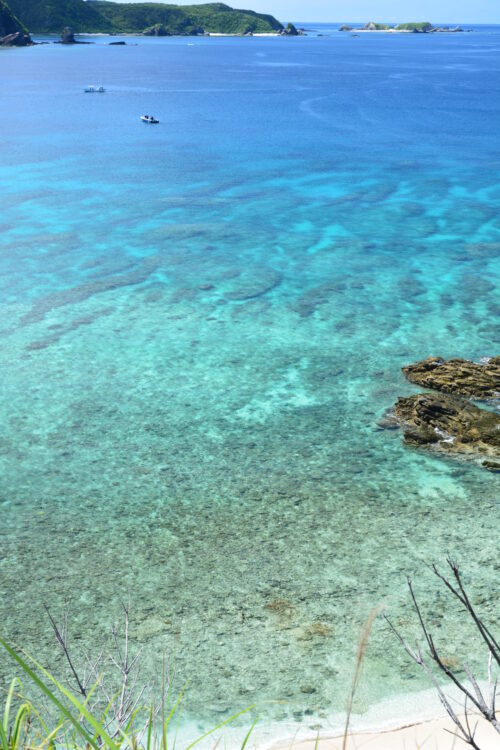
473	694
81	720
77	726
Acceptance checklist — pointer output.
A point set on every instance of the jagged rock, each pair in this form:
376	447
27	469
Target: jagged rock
116	44
67	36
458	376
18	39
157	30
447	29
449	424
290	30
345	27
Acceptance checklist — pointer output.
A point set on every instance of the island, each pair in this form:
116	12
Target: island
152	19
420	27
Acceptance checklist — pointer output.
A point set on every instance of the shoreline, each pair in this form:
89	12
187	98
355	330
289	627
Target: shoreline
436	734
407	721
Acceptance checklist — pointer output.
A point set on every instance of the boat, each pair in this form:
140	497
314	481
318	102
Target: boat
149	119
94	90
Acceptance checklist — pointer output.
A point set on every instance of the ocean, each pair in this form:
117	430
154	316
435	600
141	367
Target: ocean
202	323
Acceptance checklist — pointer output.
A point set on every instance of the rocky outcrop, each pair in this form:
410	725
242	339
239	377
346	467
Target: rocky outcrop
458	376
67	36
447	421
157	30
16	40
450	424
443	29
291	30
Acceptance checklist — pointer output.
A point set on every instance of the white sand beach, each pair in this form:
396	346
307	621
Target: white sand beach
437	734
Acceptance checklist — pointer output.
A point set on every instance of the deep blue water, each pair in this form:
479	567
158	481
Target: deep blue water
201	323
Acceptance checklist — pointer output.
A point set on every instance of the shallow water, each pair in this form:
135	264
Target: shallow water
202	323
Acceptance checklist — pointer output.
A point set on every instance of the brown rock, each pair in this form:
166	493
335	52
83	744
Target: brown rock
17	39
457	376
449	424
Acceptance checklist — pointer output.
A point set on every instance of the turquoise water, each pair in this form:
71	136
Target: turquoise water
201	324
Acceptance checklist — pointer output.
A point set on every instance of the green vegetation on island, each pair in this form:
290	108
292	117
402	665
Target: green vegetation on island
422	27
101	16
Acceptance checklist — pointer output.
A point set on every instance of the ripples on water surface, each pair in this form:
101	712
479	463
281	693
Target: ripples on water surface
201	324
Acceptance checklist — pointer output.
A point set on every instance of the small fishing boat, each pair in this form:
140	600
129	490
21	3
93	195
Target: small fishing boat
149	119
95	90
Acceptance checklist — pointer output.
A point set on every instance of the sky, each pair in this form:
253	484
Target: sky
435	11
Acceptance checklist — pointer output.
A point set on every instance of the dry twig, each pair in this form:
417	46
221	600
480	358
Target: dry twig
474	694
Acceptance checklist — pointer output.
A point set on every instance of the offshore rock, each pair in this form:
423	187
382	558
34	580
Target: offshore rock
18	39
291	30
457	376
449	424
67	36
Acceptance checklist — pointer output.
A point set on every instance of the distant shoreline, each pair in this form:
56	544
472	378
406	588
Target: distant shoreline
411	27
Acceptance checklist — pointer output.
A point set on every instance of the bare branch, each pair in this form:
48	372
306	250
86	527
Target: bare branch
475	697
61	638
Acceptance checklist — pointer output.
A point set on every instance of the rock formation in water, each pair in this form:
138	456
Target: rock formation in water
451	424
458	376
291	30
68	37
447	421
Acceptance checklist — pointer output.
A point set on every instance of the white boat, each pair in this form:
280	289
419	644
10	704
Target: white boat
149	119
95	90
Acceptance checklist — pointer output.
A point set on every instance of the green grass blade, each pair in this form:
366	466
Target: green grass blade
219	726
174	709
21	717
128	728
150	728
104	714
8	703
49	739
4	743
247	737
